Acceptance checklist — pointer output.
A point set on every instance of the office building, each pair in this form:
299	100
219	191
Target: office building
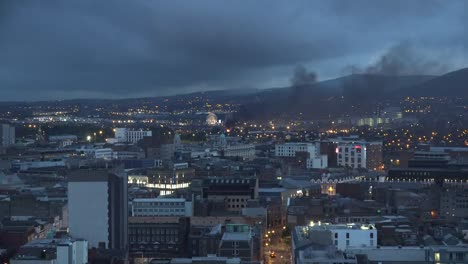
96	152
410	255
237	242
24	165
291	149
454	203
314	160
162	207
429	159
355	153
234	192
7	135
97	204
158	237
63	140
169	180
130	135
53	251
321	254
342	236
245	151
204	240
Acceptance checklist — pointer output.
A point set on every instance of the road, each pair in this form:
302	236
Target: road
275	243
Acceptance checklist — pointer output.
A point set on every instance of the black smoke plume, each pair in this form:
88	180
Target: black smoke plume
302	82
404	59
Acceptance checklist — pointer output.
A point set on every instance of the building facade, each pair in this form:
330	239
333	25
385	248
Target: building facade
97	204
233	192
131	136
170	180
245	151
162	207
7	135
454	203
63	140
158	237
53	251
342	236
314	160
355	153
237	242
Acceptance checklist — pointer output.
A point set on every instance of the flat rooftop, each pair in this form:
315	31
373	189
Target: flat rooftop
236	236
159	200
328	226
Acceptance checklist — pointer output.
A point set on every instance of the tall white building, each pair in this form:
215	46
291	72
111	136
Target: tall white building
162	207
341	236
129	135
97	205
7	135
355	153
454	203
314	161
352	154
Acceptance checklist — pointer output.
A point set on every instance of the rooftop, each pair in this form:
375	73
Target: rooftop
229	180
258	211
159	200
321	253
403	254
235	236
209	259
328	226
301	233
152	219
271	190
42	248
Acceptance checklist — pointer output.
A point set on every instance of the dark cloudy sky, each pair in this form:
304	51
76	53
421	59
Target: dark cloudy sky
58	49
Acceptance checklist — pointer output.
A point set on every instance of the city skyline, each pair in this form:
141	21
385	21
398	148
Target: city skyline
233	132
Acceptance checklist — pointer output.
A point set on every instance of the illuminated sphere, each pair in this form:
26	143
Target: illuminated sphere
211	119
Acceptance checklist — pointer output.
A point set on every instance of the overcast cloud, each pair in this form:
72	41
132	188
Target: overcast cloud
59	49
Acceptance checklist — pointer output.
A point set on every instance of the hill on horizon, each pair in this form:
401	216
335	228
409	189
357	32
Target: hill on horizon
359	86
454	83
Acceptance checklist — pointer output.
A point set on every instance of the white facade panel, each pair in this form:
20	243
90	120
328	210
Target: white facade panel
319	162
345	238
132	136
351	155
81	251
315	160
88	211
63	254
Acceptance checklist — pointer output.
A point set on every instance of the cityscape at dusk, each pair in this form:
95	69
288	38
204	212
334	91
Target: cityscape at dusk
231	132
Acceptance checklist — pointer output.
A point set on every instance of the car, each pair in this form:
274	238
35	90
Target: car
272	254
